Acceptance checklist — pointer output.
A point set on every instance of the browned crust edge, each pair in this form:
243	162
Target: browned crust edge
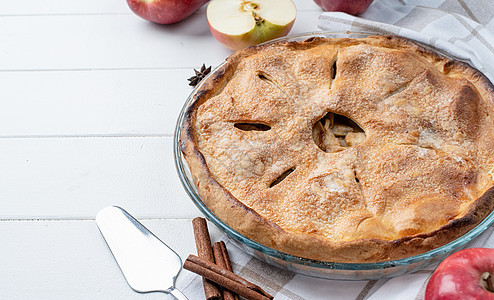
249	223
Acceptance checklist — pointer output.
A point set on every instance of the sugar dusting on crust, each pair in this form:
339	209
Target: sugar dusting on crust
417	169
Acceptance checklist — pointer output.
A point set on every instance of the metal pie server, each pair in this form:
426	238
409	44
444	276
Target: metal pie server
147	263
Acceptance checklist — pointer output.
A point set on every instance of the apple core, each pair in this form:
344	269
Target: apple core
487	282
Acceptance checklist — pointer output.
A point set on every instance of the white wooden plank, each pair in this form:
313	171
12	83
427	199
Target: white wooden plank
76	177
110	102
112	41
50	7
70	260
92	102
104	41
44	7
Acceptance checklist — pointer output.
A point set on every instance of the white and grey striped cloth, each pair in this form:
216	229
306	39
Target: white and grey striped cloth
284	285
460	27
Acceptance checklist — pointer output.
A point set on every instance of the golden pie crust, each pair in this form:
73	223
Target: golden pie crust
344	150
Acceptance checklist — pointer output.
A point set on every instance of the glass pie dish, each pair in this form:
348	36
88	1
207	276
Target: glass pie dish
321	269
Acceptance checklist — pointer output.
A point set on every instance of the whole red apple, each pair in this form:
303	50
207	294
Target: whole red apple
463	275
165	11
353	7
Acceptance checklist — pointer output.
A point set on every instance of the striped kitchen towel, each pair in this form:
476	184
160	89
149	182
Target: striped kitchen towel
286	285
460	27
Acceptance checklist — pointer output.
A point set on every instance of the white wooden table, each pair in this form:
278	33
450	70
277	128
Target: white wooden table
89	98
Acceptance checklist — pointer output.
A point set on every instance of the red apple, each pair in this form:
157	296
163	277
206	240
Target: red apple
467	274
353	7
165	11
241	23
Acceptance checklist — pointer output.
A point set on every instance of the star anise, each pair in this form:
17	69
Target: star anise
194	80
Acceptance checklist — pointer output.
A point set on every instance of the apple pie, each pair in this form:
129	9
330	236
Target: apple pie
344	150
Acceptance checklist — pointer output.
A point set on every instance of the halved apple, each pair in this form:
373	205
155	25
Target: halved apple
241	23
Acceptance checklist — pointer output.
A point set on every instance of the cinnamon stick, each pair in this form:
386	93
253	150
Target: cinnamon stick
204	250
223	260
225	278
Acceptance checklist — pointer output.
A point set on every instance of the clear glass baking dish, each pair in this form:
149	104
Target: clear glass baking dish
315	268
